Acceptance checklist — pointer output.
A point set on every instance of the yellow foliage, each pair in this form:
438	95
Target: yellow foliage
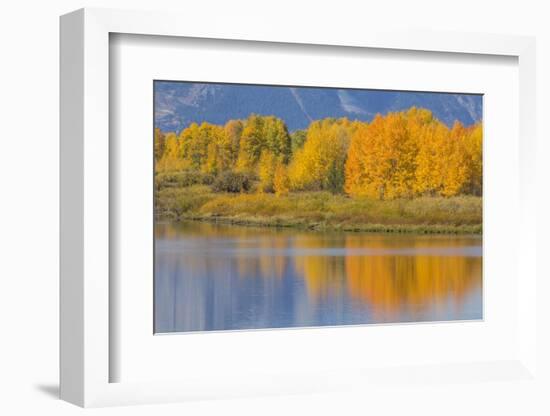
319	164
399	155
411	153
474	159
266	171
281	182
171	159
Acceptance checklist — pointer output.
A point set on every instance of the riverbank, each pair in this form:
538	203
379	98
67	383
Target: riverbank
323	211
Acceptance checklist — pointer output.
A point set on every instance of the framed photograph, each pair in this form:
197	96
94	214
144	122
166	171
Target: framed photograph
291	206
273	213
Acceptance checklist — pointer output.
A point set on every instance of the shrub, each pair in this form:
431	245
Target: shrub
174	202
182	179
234	182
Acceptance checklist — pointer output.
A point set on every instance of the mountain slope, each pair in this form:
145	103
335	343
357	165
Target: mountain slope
177	104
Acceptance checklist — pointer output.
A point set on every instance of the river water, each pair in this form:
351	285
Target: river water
227	277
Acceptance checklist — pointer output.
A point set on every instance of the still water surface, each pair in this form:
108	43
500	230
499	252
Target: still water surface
225	277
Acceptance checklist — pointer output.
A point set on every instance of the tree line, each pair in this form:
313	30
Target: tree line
398	155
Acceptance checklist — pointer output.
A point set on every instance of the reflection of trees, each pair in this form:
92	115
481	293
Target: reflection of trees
391	283
217	275
324	275
270	244
275	263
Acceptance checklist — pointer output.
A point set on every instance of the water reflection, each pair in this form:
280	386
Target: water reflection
220	277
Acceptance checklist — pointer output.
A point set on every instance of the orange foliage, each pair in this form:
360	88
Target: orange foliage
411	153
399	155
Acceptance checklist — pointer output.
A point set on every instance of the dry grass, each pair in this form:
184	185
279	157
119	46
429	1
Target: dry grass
323	210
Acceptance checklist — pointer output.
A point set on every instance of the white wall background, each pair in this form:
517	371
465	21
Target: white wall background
29	56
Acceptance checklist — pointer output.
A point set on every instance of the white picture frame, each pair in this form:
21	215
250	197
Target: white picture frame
85	212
